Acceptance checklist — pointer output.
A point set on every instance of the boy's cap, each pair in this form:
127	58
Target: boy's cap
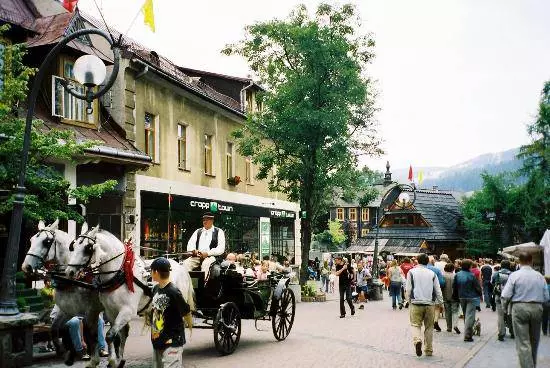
161	264
208	215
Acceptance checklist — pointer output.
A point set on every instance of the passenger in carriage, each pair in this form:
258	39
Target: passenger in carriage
263	271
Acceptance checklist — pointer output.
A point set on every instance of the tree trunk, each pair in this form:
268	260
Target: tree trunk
305	237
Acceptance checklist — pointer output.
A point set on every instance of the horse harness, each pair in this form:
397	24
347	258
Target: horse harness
117	280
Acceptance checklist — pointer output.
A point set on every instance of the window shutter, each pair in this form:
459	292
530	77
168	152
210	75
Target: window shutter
57	97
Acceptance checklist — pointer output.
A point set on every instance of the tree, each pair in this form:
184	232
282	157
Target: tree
333	237
47	190
362	186
318	106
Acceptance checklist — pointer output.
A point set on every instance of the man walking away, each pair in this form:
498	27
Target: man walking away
344	273
167	310
486	274
423	292
451	305
526	290
467	289
499	280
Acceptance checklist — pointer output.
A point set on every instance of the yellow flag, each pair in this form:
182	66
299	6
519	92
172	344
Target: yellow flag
148	14
420	177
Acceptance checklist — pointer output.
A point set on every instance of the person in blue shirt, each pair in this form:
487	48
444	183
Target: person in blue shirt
441	278
467	289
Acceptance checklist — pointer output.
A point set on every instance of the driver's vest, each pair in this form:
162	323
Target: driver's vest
213	243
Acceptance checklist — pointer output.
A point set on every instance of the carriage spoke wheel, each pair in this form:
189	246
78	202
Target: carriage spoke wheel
283	319
227	328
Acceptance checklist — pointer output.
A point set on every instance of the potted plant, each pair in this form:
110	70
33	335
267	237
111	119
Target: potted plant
234	180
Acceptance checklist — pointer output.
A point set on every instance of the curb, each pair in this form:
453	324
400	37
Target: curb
462	363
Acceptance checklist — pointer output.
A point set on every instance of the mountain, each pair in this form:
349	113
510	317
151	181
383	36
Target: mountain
466	176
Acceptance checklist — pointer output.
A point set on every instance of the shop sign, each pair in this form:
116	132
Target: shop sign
211	206
282	214
265	237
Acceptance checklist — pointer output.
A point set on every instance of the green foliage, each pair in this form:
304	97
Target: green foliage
84	193
333	237
521	212
309	290
318	106
361	185
21	303
47	190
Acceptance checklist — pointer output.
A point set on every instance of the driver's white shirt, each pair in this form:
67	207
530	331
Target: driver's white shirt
205	240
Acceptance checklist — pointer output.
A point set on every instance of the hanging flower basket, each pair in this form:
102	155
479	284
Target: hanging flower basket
234	180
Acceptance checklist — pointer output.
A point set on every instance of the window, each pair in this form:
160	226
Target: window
403	220
150	135
229	160
364	232
364	215
353	214
249	101
66	105
208	154
340	214
182	147
248	170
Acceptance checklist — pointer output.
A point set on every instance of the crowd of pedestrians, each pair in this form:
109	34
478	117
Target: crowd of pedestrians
431	286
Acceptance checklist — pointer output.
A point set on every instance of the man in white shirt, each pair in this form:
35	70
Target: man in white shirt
205	243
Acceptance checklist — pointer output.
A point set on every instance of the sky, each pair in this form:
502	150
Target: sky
456	78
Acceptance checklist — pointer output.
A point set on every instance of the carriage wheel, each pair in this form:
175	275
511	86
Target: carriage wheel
227	328
283	319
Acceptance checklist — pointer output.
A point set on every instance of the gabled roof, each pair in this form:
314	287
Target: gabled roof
440	209
17	12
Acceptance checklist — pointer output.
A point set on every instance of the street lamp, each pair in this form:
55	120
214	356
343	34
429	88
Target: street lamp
404	201
88	70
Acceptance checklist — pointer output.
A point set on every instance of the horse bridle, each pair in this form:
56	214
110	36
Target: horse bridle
88	248
48	242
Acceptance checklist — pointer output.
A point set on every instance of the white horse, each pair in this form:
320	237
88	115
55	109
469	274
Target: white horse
105	254
51	246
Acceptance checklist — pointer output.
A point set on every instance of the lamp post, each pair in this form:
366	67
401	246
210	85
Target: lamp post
403	201
90	71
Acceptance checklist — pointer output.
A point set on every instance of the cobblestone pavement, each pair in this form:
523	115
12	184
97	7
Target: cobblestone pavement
376	336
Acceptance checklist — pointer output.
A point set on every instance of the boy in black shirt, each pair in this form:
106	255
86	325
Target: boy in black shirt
168	309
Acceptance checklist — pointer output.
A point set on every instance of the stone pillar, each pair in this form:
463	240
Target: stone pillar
16	340
129	206
70	176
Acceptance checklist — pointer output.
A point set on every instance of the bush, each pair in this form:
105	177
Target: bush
309	290
21	302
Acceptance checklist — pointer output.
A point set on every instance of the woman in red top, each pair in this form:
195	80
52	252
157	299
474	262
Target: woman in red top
406	266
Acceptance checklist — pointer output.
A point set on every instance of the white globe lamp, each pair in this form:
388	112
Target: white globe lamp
89	70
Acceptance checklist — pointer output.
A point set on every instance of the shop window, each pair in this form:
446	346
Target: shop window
229	160
249	175
150	135
208	155
340	214
353	214
282	238
64	104
182	147
364	215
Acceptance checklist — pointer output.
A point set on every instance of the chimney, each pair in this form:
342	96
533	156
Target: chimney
435	188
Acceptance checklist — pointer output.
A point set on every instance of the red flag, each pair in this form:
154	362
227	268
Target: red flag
410	173
70	5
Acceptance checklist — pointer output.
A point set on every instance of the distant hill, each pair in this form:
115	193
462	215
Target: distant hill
466	176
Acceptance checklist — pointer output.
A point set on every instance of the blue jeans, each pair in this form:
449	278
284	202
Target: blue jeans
395	291
469	310
74	331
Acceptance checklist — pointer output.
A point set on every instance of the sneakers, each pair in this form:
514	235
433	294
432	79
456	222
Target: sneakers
500	338
353	311
342	316
85	356
400	306
103	353
361	306
418	348
478	308
457	330
468	339
449	330
436	327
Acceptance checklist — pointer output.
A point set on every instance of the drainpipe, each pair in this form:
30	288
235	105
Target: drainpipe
144	71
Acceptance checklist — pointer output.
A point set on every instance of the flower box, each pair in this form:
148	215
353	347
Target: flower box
234	180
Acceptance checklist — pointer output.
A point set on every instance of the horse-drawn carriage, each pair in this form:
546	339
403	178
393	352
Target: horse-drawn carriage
227	298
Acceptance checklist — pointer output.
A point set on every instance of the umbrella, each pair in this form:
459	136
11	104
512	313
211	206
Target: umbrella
530	247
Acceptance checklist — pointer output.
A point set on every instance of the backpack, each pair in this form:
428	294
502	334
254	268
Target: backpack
500	282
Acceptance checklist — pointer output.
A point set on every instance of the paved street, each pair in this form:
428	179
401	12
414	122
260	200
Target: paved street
374	336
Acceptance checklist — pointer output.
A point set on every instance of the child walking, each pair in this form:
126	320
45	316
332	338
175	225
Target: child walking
168	309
